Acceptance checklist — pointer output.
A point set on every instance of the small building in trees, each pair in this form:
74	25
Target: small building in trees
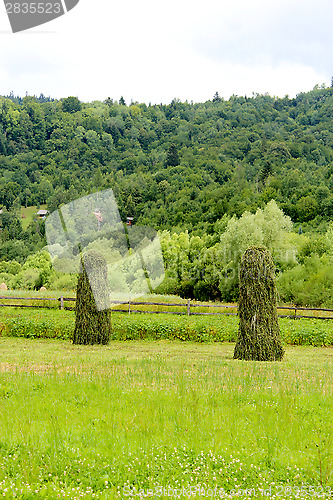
42	214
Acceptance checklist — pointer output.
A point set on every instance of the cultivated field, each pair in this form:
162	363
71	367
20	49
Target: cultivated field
171	418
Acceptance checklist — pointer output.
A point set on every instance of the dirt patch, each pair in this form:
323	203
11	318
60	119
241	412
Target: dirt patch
40	368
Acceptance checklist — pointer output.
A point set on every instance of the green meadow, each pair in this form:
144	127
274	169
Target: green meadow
28	214
163	419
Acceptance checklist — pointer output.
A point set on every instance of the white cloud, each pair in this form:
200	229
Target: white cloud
151	51
290	32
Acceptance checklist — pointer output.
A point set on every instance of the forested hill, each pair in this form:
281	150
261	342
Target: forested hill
181	165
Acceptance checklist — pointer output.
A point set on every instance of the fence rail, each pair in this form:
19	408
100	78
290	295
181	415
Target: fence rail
60	299
188	307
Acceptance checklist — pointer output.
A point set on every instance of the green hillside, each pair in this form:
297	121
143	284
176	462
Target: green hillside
179	165
190	170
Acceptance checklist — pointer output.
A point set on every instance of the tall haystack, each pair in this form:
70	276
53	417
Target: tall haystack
92	326
258	335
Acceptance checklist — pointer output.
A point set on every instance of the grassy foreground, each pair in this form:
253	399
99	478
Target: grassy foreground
172	419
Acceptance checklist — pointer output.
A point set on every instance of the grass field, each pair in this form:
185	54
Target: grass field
105	422
27	215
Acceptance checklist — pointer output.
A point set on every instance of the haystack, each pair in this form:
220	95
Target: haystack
92	326
258	335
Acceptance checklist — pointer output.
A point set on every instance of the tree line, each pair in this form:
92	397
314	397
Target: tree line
181	165
206	267
190	170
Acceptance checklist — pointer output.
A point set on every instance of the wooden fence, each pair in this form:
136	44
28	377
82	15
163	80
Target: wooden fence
60	299
188	307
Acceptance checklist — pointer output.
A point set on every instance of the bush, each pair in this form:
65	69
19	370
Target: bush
318	245
186	289
7	279
308	284
318	333
26	280
48	326
204	290
12	267
186	328
169	286
65	282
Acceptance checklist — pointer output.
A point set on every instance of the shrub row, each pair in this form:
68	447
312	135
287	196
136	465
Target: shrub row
48	325
60	325
310	332
172	327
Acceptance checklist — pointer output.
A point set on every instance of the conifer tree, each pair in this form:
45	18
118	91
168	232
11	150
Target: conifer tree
217	97
265	172
172	158
92	326
258	335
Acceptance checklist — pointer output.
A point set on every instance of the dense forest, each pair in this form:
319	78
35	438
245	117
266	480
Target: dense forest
197	172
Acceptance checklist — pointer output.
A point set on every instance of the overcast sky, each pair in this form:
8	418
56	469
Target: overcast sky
150	51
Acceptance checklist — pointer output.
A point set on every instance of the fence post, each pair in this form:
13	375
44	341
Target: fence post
61	301
129	306
295	312
188	307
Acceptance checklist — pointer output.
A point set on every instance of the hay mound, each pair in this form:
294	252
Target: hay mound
91	325
258	335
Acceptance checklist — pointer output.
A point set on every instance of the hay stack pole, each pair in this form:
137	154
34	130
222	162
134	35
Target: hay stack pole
258	335
92	326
